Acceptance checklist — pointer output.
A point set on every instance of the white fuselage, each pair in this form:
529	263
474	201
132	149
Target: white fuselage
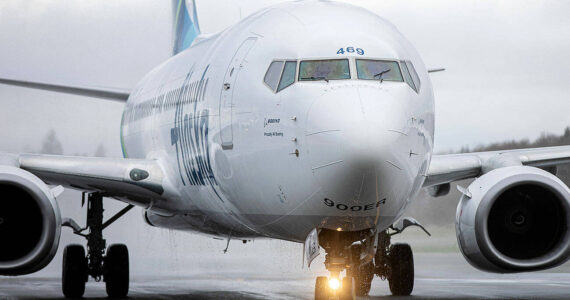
246	161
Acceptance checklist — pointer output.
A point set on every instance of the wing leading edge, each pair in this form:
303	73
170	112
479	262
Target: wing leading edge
453	167
135	181
97	92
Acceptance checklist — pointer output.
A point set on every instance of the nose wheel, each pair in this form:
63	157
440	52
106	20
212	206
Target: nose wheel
111	265
321	288
332	288
348	292
362	274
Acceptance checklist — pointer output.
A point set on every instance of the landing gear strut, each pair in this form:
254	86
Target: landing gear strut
362	273
112	265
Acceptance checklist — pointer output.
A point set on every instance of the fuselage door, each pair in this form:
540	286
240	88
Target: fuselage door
226	98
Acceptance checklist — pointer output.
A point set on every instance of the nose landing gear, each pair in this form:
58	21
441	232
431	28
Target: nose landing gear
350	251
338	258
113	267
363	273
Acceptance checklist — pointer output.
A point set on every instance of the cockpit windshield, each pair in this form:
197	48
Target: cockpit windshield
378	70
283	73
329	69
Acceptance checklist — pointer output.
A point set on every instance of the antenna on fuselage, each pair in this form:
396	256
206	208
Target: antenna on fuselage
436	70
228	244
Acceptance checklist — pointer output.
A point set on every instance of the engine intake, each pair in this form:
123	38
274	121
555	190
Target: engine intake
515	219
30	222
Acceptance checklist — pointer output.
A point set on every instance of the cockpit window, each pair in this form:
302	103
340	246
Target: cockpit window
329	69
410	75
273	74
414	74
288	76
378	70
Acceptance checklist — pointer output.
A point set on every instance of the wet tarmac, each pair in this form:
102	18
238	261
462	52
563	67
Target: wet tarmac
438	276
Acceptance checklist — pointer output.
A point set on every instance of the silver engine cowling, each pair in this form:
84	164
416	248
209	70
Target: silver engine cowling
515	219
30	222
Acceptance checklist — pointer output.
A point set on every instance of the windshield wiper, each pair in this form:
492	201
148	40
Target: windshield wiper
382	74
316	78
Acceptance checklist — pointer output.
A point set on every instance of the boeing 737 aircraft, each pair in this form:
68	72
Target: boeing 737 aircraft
281	127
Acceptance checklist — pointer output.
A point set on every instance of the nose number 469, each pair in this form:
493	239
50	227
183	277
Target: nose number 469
358	51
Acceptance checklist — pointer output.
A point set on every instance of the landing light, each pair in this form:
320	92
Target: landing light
339	229
334	283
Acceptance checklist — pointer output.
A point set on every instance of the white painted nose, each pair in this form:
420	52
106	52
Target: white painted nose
351	138
354	126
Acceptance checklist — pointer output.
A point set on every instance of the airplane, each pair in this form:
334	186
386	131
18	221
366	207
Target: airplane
287	125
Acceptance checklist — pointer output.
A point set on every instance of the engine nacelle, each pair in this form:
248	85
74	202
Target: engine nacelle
515	219
30	222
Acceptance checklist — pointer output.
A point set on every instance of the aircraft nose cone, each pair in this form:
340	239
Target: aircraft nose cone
351	126
349	140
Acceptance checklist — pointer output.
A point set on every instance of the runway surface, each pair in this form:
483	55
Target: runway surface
438	276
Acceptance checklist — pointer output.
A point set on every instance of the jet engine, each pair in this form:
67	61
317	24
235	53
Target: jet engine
30	222
514	219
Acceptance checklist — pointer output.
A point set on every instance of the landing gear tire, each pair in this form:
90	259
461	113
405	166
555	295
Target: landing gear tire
347	292
78	267
363	279
116	271
362	275
74	271
401	277
321	288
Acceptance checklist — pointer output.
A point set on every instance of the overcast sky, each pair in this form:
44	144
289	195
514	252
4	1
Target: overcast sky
508	63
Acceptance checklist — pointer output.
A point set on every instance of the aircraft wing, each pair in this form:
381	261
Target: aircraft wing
453	167
135	181
97	92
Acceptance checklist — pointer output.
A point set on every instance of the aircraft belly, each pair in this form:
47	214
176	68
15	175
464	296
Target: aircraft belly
198	221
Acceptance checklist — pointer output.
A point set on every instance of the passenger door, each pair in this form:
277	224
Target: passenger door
226	98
